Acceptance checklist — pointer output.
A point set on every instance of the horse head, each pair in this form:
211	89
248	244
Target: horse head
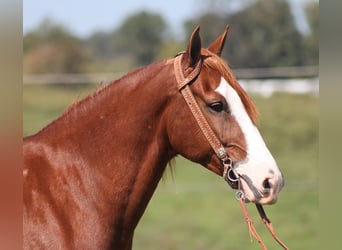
231	115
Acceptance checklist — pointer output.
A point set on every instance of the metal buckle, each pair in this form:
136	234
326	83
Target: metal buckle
222	154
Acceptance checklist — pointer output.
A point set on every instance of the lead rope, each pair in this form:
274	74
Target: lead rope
269	225
252	231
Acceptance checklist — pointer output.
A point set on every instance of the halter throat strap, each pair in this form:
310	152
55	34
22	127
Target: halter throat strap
183	86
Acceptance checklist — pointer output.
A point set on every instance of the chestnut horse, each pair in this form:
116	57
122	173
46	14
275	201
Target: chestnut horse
89	175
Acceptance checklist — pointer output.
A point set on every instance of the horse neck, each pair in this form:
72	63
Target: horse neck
120	136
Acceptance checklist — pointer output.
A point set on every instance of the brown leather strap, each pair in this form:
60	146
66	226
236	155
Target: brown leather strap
269	226
181	79
265	220
183	86
252	231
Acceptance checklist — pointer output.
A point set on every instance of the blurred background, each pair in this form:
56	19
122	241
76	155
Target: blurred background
71	47
84	37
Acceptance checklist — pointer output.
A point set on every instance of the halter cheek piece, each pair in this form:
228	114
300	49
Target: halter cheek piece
229	174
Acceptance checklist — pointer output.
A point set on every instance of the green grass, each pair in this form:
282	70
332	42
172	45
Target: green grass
196	209
42	104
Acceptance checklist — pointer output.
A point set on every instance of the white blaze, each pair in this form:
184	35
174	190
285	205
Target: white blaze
259	163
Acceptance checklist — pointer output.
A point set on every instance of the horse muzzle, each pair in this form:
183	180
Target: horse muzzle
262	193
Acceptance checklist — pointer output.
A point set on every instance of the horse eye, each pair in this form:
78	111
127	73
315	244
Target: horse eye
216	106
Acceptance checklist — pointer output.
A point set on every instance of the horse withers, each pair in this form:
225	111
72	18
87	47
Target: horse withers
89	175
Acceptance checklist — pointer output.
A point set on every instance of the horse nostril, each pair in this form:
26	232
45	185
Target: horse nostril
267	186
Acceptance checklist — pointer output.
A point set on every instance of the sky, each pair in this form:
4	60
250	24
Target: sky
83	17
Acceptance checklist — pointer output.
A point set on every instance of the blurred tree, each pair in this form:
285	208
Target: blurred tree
169	48
264	35
142	36
46	32
213	18
212	24
54	57
51	48
311	40
101	44
139	40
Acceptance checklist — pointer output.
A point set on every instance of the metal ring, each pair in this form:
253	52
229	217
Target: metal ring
228	162
232	175
239	195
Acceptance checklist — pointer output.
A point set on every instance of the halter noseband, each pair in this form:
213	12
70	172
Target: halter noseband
229	174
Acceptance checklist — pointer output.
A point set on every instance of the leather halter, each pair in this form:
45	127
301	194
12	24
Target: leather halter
229	174
183	82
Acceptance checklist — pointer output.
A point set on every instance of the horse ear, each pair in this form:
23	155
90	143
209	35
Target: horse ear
217	46
193	50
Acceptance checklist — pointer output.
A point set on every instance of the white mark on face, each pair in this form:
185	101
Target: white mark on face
259	163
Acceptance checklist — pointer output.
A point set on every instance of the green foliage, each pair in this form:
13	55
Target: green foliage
52	48
46	32
262	34
137	41
55	57
141	35
169	48
311	40
101	44
211	24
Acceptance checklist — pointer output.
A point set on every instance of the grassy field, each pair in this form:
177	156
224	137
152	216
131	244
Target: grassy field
195	209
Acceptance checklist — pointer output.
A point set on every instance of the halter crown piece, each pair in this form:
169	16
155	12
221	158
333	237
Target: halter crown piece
229	174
